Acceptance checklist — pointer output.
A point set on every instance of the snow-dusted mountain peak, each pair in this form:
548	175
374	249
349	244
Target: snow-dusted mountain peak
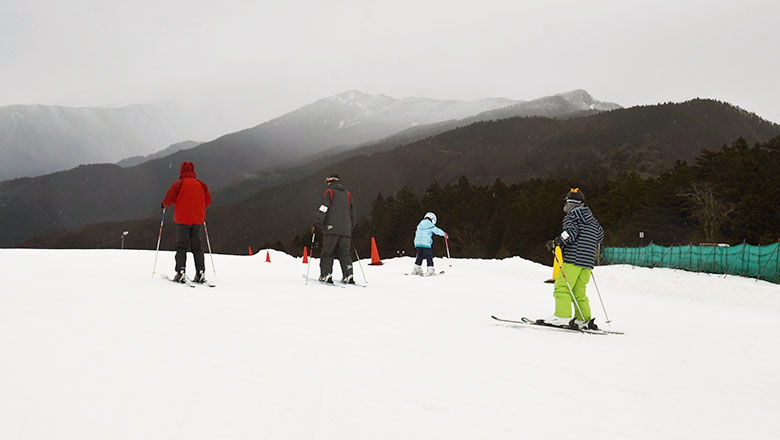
583	100
361	100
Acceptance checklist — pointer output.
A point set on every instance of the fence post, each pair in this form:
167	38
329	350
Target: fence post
690	256
652	255
715	248
663	254
679	256
777	262
744	246
698	265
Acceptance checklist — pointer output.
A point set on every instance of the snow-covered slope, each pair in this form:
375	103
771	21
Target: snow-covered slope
94	347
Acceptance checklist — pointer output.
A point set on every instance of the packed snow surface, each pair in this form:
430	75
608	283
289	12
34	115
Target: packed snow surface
95	347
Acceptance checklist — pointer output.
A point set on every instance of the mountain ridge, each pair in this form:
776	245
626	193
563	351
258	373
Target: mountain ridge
645	139
59	200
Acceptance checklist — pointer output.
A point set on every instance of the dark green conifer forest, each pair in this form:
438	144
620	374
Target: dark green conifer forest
726	196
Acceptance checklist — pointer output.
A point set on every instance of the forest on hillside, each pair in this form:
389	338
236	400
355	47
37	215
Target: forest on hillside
726	196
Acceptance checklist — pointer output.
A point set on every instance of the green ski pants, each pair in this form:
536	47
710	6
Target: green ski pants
578	277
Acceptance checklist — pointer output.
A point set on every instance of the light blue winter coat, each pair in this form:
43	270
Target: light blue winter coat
423	237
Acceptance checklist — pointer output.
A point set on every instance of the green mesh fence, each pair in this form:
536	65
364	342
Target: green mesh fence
762	262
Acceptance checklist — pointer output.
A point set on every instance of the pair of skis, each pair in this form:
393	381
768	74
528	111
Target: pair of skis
188	282
425	275
338	284
536	324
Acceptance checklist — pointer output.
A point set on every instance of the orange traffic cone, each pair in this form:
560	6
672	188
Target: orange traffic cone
375	261
305	255
250	251
267	257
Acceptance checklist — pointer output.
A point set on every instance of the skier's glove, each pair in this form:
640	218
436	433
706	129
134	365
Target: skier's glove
162	205
553	243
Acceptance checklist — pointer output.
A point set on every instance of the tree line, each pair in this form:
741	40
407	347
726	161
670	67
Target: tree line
726	196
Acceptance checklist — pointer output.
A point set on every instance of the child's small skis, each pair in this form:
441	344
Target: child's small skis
425	275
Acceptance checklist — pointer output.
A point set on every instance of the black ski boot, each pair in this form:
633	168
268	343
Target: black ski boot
326	279
200	277
348	280
587	325
180	277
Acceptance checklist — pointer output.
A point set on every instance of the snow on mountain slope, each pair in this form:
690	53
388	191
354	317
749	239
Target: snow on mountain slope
383	114
41	139
556	106
94	347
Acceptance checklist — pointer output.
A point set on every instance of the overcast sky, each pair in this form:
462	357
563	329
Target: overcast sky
274	56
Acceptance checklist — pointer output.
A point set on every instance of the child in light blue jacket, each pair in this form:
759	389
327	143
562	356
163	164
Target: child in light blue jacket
423	239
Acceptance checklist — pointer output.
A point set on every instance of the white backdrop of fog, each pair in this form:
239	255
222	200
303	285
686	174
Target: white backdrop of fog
265	58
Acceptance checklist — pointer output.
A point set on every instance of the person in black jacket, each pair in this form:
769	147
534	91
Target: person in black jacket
336	217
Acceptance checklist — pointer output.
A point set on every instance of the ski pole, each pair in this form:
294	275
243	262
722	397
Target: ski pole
574	298
308	264
159	236
361	266
447	243
213	269
600	300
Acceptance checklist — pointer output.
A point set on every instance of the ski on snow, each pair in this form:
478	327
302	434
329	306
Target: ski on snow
425	276
534	324
206	284
353	285
188	282
317	280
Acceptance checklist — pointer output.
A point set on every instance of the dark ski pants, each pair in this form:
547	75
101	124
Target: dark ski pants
337	245
189	237
423	252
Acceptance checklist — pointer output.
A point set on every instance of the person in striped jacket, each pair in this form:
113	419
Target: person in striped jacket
580	240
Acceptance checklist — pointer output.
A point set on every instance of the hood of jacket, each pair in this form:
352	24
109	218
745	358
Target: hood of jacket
425	224
338	186
187	169
583	213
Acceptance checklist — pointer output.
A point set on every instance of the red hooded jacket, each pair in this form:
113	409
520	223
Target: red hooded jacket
190	195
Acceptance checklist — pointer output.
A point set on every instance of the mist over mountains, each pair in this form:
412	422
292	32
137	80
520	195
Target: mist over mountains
300	139
138	160
39	139
590	144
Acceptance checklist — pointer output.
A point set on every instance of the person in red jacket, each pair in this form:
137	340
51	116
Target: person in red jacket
190	197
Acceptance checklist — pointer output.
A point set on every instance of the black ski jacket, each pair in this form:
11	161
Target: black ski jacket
336	215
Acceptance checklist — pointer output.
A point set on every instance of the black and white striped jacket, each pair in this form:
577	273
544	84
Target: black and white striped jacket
582	234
